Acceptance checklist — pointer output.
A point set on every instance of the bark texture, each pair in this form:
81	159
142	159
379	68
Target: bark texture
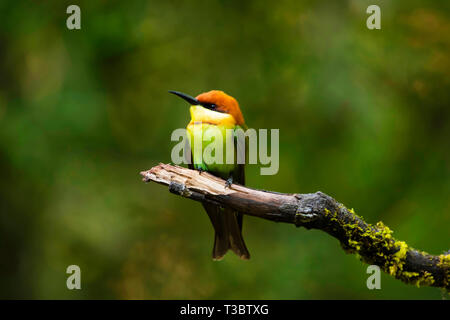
373	243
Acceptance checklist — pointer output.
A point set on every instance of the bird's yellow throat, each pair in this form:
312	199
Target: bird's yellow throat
199	113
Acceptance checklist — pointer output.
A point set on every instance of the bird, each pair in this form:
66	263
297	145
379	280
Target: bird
216	110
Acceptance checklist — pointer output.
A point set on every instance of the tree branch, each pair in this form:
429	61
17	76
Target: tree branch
373	243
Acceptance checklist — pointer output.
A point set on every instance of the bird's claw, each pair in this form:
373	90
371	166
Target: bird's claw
229	182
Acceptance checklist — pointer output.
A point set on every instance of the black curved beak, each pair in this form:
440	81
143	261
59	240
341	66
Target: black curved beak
191	100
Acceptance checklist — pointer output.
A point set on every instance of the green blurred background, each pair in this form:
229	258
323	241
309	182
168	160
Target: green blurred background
363	116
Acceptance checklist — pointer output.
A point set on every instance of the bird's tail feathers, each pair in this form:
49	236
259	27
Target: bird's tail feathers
228	234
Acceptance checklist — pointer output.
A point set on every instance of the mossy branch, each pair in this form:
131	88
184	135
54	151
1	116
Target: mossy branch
373	243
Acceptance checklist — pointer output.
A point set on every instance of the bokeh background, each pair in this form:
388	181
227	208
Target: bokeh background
363	116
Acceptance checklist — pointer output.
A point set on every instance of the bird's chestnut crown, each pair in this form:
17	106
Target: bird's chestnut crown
216	100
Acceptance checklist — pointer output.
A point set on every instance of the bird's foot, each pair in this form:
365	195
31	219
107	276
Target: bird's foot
200	170
229	182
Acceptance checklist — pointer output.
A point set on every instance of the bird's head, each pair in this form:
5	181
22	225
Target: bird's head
217	102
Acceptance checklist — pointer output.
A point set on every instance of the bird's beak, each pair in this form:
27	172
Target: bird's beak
191	100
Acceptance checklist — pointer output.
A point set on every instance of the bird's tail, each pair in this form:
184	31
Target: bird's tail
227	226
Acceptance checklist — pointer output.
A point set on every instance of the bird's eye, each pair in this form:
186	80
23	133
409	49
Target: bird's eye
210	106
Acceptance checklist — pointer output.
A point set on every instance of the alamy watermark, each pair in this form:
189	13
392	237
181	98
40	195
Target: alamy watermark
374	20
73	21
374	281
216	145
74	280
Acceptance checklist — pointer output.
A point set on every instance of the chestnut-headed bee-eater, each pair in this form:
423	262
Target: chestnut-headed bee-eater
215	110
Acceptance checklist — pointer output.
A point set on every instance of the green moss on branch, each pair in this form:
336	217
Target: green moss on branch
376	245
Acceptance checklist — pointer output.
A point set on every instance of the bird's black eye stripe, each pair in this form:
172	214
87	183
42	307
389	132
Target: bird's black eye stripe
210	106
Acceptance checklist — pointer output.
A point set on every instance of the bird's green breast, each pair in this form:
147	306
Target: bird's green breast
204	139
